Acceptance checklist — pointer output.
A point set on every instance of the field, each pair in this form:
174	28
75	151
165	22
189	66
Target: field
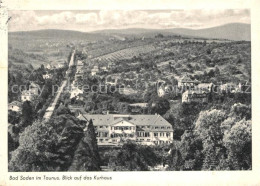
127	53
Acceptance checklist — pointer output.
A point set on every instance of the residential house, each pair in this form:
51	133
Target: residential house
79	73
47	76
15	106
62	65
194	96
50	67
80	63
31	93
75	92
104	69
94	71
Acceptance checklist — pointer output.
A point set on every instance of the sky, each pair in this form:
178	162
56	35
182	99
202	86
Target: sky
92	20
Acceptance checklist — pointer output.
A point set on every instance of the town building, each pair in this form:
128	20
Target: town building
104	69
15	106
62	65
79	73
194	96
94	71
115	129
80	63
27	95
47	76
50	67
161	91
75	92
31	93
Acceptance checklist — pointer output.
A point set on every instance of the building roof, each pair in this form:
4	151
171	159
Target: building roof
205	85
139	105
194	92
139	120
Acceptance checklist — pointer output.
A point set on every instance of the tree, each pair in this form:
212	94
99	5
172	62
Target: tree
27	114
238	142
132	157
161	106
208	128
47	146
86	157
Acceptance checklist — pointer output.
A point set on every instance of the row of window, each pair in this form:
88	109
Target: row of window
137	140
133	128
122	128
161	134
139	134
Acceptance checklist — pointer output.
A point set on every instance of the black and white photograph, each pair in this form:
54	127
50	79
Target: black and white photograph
129	90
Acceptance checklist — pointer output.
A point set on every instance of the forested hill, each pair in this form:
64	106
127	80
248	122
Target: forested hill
233	31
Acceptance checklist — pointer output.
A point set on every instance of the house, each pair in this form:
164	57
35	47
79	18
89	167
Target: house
79	73
27	95
31	93
194	96
62	65
15	106
94	71
75	92
80	63
115	129
104	69
161	91
50	67
47	76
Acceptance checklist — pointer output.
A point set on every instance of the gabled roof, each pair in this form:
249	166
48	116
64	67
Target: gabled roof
194	92
110	119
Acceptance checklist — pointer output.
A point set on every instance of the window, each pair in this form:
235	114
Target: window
168	127
162	127
100	127
155	134
156	127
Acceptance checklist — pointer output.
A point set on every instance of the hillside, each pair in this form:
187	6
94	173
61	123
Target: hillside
56	34
233	31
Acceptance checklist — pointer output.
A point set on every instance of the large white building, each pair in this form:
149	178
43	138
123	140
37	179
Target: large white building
115	129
